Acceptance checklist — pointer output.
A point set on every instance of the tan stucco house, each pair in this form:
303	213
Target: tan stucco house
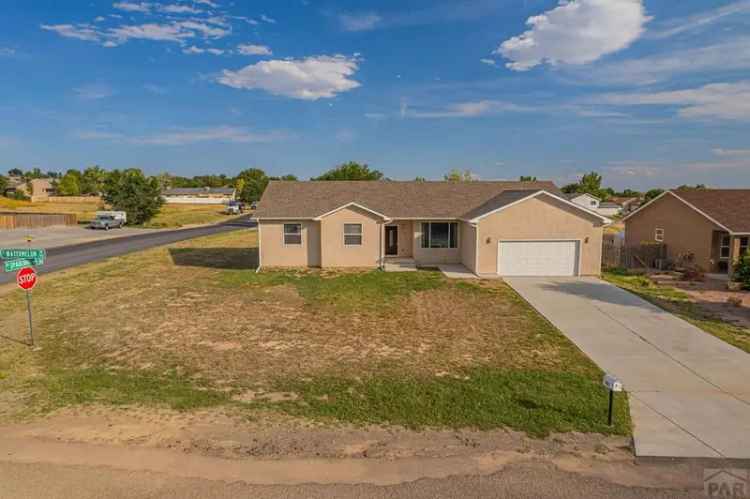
497	228
712	226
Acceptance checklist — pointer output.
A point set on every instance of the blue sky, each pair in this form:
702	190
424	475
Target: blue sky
649	93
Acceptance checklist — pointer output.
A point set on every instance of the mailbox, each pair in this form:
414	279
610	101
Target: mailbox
612	383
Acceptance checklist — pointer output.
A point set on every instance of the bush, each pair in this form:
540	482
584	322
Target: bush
134	193
742	271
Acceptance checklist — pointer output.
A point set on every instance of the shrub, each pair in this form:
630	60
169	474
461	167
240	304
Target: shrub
742	271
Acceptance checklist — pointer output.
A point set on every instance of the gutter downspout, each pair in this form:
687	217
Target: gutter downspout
260	260
476	248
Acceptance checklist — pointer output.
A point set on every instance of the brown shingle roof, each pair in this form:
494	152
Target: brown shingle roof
729	207
285	199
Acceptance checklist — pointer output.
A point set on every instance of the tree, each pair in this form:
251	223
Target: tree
420	179
255	182
288	177
526	178
3	184
15	172
629	193
591	183
134	193
691	188
70	184
570	188
239	186
653	193
92	180
456	175
351	171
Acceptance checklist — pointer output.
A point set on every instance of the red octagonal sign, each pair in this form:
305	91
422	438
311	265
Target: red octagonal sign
26	278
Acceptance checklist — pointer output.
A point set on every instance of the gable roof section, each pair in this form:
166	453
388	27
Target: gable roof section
727	208
417	200
510	198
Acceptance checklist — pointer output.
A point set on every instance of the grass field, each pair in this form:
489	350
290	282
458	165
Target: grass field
194	326
679	303
170	215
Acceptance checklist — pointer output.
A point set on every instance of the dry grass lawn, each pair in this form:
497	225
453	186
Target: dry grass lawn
193	325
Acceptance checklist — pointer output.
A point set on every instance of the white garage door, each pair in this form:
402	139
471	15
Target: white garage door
537	258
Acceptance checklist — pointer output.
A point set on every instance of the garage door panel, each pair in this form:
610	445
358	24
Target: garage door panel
538	258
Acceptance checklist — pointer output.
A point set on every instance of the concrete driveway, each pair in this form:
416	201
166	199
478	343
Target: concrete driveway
689	391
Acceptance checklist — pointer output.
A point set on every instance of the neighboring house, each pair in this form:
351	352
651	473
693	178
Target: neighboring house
199	195
627	204
38	187
593	203
498	228
712	225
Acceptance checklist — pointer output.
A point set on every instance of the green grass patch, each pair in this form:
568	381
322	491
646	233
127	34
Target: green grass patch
678	302
346	291
536	402
66	387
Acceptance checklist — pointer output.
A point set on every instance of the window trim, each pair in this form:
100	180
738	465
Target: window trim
659	235
728	246
428	233
284	234
361	234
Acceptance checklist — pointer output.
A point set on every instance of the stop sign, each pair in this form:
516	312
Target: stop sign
26	278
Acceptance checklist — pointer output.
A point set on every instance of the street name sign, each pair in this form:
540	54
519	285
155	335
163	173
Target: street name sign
21	263
27	253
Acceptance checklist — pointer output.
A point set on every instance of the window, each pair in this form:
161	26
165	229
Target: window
439	235
592	203
292	233
744	245
724	249
352	234
659	235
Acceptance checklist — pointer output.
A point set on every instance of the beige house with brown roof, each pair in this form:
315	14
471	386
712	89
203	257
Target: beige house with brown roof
497	228
710	225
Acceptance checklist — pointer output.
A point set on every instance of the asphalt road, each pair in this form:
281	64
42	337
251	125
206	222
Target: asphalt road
39	480
64	257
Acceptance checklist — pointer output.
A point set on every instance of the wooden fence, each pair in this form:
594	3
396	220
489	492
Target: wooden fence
615	254
66	199
15	220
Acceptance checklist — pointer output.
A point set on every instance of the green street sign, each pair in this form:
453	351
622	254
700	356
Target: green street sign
13	265
14	253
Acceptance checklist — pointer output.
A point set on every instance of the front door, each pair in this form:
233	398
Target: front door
391	240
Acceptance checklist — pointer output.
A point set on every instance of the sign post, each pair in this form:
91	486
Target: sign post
613	385
26	280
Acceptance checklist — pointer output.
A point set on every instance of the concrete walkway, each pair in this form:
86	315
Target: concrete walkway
689	391
456	271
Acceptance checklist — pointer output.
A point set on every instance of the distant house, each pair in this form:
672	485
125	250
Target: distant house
711	226
199	195
36	188
627	204
604	208
491	228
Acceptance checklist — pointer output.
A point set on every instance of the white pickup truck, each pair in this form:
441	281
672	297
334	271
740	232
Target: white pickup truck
109	219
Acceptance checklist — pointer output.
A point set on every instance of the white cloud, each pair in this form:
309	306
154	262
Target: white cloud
720	151
727	55
100	19
311	78
698	21
193	50
267	19
470	110
250	49
359	22
207	2
206	30
7	52
730	101
94	91
375	116
489	62
186	136
79	32
143	7
179	9
175	32
575	32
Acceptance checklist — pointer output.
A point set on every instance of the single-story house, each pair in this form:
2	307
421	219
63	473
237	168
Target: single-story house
711	225
199	195
627	204
36	188
604	208
497	228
